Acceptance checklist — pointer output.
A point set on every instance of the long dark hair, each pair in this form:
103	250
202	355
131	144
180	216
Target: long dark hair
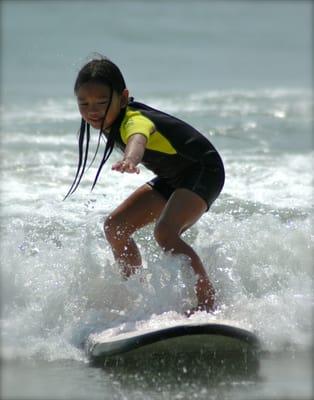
105	72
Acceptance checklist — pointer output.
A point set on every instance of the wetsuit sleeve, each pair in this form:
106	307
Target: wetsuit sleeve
137	123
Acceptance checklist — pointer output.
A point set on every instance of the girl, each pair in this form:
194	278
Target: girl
189	171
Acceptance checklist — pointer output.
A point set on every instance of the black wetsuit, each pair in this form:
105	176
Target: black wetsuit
177	153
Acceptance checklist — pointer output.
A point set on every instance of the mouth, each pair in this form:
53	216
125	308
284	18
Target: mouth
95	121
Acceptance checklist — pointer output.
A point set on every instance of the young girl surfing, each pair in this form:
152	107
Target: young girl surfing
189	171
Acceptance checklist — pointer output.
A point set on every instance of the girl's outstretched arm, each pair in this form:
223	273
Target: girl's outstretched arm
133	154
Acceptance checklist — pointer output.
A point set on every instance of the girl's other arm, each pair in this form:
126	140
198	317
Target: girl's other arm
133	154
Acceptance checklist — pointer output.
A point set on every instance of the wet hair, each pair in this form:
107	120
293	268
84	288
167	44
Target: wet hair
103	71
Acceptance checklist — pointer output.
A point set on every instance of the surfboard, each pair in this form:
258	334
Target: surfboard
182	337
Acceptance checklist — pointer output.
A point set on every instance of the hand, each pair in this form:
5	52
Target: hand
126	165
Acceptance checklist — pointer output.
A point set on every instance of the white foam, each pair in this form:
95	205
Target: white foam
50	110
60	282
284	181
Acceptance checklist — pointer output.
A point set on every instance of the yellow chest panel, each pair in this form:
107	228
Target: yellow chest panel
135	122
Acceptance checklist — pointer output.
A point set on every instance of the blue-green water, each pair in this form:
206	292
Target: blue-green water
237	70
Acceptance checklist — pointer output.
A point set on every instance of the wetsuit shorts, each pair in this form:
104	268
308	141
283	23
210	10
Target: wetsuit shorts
205	182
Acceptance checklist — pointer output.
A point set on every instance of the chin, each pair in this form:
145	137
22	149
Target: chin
95	124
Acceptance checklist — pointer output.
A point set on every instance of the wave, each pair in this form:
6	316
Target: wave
278	103
59	281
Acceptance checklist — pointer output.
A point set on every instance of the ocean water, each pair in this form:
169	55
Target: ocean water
241	73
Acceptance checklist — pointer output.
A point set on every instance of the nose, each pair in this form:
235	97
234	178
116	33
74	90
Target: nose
93	114
94	111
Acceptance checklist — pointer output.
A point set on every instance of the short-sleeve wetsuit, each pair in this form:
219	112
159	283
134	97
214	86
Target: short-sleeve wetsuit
179	155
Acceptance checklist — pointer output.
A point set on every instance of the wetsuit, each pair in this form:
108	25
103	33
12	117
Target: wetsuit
177	153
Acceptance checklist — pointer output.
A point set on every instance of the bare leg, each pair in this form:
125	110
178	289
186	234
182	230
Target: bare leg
141	208
183	209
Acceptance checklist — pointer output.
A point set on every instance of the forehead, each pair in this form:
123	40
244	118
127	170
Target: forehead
93	89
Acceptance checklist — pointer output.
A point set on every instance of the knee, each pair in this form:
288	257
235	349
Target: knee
165	235
114	228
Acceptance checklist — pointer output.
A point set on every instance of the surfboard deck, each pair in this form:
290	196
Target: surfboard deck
183	337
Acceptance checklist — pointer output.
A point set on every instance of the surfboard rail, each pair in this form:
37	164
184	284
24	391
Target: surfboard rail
200	335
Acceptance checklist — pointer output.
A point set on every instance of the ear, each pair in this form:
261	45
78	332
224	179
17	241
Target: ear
124	98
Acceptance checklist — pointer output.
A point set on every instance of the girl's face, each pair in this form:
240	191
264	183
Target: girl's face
93	100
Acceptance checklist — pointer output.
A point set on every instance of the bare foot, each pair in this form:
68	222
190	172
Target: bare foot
205	293
129	270
199	308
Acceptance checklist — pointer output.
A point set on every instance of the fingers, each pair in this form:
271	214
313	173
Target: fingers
125	166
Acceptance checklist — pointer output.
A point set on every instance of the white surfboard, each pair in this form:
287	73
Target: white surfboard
183	337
